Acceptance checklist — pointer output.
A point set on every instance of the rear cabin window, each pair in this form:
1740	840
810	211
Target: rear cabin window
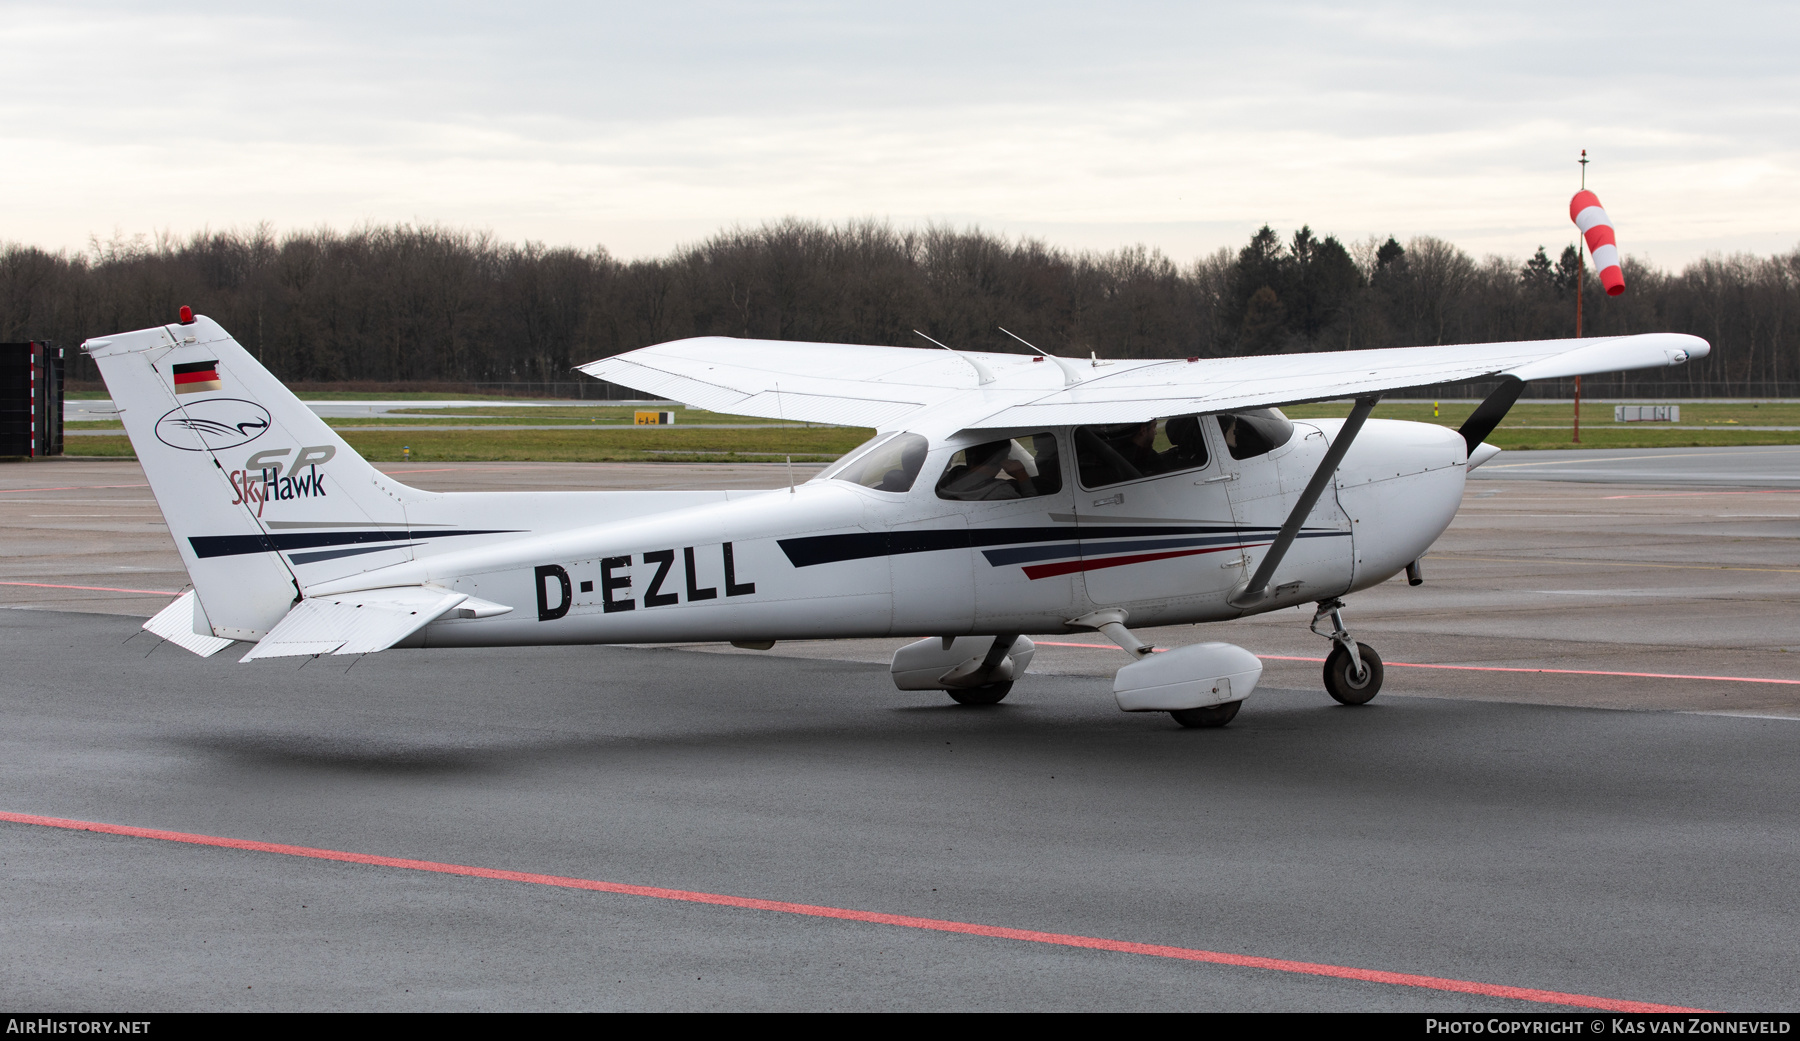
1132	451
1249	434
887	466
1016	468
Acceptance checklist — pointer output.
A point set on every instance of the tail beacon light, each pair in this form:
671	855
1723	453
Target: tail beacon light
1597	228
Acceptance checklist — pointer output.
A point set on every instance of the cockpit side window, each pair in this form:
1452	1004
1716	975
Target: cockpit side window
1015	468
890	466
1132	451
1252	433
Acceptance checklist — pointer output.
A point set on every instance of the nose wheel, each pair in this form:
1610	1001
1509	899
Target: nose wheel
1353	670
1342	681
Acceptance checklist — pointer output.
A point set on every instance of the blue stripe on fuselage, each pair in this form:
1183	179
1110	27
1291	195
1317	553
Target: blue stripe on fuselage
236	545
1043	543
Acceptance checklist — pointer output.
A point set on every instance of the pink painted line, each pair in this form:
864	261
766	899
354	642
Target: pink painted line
97	589
70	488
443	470
1560	672
1481	668
1399	979
460	469
1690	495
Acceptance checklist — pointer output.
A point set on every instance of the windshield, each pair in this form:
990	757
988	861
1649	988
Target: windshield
851	456
892	465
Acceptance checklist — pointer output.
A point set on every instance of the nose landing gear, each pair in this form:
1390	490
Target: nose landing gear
1353	670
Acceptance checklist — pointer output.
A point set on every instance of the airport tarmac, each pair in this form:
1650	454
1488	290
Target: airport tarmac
1621	829
1760	466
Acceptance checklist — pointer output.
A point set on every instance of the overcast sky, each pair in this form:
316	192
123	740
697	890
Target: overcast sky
640	126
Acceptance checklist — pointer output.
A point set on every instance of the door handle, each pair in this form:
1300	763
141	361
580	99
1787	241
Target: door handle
1216	480
1117	500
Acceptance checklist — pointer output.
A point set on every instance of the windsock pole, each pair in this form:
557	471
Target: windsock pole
1580	270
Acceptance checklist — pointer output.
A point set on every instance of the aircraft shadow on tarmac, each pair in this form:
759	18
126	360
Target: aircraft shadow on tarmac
383	751
622	715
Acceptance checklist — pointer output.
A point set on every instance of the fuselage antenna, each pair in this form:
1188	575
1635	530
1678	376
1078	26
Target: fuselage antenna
1071	375
983	374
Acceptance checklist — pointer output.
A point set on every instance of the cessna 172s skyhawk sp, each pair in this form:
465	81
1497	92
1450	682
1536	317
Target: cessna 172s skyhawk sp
1003	495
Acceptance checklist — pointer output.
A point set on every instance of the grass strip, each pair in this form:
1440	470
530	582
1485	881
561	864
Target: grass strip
579	413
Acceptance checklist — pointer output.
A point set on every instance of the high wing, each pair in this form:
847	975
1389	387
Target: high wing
777	379
1147	391
882	386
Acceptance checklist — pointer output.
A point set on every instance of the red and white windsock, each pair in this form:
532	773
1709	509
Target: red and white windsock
1585	211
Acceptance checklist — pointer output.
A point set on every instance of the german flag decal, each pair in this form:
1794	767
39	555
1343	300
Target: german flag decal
196	376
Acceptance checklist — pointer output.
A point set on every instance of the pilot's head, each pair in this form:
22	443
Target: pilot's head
1184	431
991	457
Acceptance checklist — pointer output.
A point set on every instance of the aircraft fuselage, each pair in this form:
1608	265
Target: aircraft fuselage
832	558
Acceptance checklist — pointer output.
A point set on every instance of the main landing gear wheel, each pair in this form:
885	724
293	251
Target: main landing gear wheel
987	694
1340	675
1210	716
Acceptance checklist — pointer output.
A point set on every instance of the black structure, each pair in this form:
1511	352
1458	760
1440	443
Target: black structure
31	400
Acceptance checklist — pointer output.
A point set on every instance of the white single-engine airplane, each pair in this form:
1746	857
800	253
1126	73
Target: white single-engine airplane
1004	494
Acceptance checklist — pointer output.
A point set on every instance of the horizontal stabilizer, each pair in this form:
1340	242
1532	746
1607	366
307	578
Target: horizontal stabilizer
183	624
363	622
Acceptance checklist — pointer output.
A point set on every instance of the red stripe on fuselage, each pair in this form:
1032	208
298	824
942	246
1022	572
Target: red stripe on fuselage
1067	567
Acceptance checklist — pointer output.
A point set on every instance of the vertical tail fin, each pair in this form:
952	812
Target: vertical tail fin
262	498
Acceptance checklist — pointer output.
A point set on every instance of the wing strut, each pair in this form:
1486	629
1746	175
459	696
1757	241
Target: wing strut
1490	412
1258	586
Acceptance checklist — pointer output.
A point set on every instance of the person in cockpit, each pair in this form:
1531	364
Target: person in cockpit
992	471
1139	449
1187	446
